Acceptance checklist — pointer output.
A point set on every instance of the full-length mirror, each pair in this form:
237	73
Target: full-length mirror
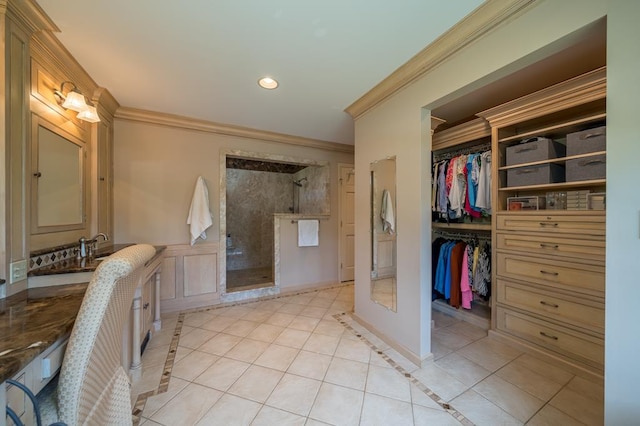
58	180
383	233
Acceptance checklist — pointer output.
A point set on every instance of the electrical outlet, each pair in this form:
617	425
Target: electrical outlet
18	271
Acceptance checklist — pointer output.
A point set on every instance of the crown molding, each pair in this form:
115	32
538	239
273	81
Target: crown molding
170	120
105	102
466	132
29	13
481	21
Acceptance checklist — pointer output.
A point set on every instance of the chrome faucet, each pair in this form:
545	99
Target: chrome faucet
87	247
93	242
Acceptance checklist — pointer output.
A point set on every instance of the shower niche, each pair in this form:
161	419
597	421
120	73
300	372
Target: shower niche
258	187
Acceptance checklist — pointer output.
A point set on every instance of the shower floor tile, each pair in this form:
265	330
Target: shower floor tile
240	279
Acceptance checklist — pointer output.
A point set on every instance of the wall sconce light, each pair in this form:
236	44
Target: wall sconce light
76	101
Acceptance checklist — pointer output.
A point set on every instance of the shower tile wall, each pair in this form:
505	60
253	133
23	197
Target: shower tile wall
314	194
252	199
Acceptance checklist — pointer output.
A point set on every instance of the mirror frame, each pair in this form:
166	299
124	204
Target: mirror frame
36	123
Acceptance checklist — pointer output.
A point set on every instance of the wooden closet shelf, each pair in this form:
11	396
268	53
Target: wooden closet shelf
553	160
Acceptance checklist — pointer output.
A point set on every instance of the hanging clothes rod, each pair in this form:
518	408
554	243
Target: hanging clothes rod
471	235
447	155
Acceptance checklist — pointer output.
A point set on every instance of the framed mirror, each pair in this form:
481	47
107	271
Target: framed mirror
57	170
383	233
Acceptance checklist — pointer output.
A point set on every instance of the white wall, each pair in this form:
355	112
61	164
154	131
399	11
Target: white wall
400	127
622	339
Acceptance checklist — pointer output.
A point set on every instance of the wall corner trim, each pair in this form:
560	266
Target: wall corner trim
170	120
474	26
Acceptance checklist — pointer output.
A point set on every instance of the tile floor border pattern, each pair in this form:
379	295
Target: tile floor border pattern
163	385
431	394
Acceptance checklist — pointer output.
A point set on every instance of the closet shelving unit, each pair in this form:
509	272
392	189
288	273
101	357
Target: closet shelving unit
465	138
549	265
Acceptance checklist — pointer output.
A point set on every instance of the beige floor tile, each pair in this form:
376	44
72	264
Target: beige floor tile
241	328
258	315
340	306
300	299
256	383
155	355
149	380
481	411
337	405
196	319
442	320
550	416
294	394
304	323
355	350
389	383
270	305
196	338
280	319
236	311
247	350
181	352
330	293
230	410
587	388
218	323
291	308
222	374
378	410
545	369
188	406
401	360
344	372
376	359
468	372
220	344
320	302
313	312
510	398
322	344
269	416
156	402
192	365
424	416
451	340
266	333
537	385
148	422
466	329
311	365
293	338
312	422
418	397
579	406
489	354
439	381
186	330
329	328
161	338
277	357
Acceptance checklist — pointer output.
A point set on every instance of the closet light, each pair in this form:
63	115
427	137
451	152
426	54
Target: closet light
76	101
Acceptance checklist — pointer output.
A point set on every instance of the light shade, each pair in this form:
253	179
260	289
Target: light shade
75	102
89	114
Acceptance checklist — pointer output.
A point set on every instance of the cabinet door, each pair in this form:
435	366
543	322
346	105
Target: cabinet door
105	178
148	296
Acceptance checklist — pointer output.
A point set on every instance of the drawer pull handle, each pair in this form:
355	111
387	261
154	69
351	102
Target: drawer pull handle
542	271
548	224
553	305
548	336
552	246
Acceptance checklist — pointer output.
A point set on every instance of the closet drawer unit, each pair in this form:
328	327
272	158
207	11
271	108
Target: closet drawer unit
558	307
578	277
580	346
532	243
583	224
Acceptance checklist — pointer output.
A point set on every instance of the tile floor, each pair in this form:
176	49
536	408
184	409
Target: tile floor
297	360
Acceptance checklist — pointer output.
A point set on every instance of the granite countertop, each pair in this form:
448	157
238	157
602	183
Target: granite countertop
87	264
36	315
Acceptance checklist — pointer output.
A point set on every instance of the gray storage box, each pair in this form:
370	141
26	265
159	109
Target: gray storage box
590	140
535	149
587	168
535	175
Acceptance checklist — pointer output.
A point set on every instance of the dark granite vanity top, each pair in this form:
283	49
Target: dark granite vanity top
36	315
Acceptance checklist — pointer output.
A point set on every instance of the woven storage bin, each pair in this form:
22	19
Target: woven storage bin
587	168
536	150
535	175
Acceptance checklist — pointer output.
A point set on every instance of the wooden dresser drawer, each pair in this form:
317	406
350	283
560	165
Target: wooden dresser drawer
580	346
583	224
593	249
582	278
558	307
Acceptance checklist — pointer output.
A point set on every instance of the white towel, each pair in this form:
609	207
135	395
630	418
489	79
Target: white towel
386	213
308	233
199	213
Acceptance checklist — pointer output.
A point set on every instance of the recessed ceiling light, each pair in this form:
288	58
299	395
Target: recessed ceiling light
268	83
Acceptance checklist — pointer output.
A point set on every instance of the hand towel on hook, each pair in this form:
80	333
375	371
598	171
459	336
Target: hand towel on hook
199	214
308	233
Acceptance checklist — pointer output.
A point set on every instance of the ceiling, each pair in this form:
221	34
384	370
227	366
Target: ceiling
202	59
